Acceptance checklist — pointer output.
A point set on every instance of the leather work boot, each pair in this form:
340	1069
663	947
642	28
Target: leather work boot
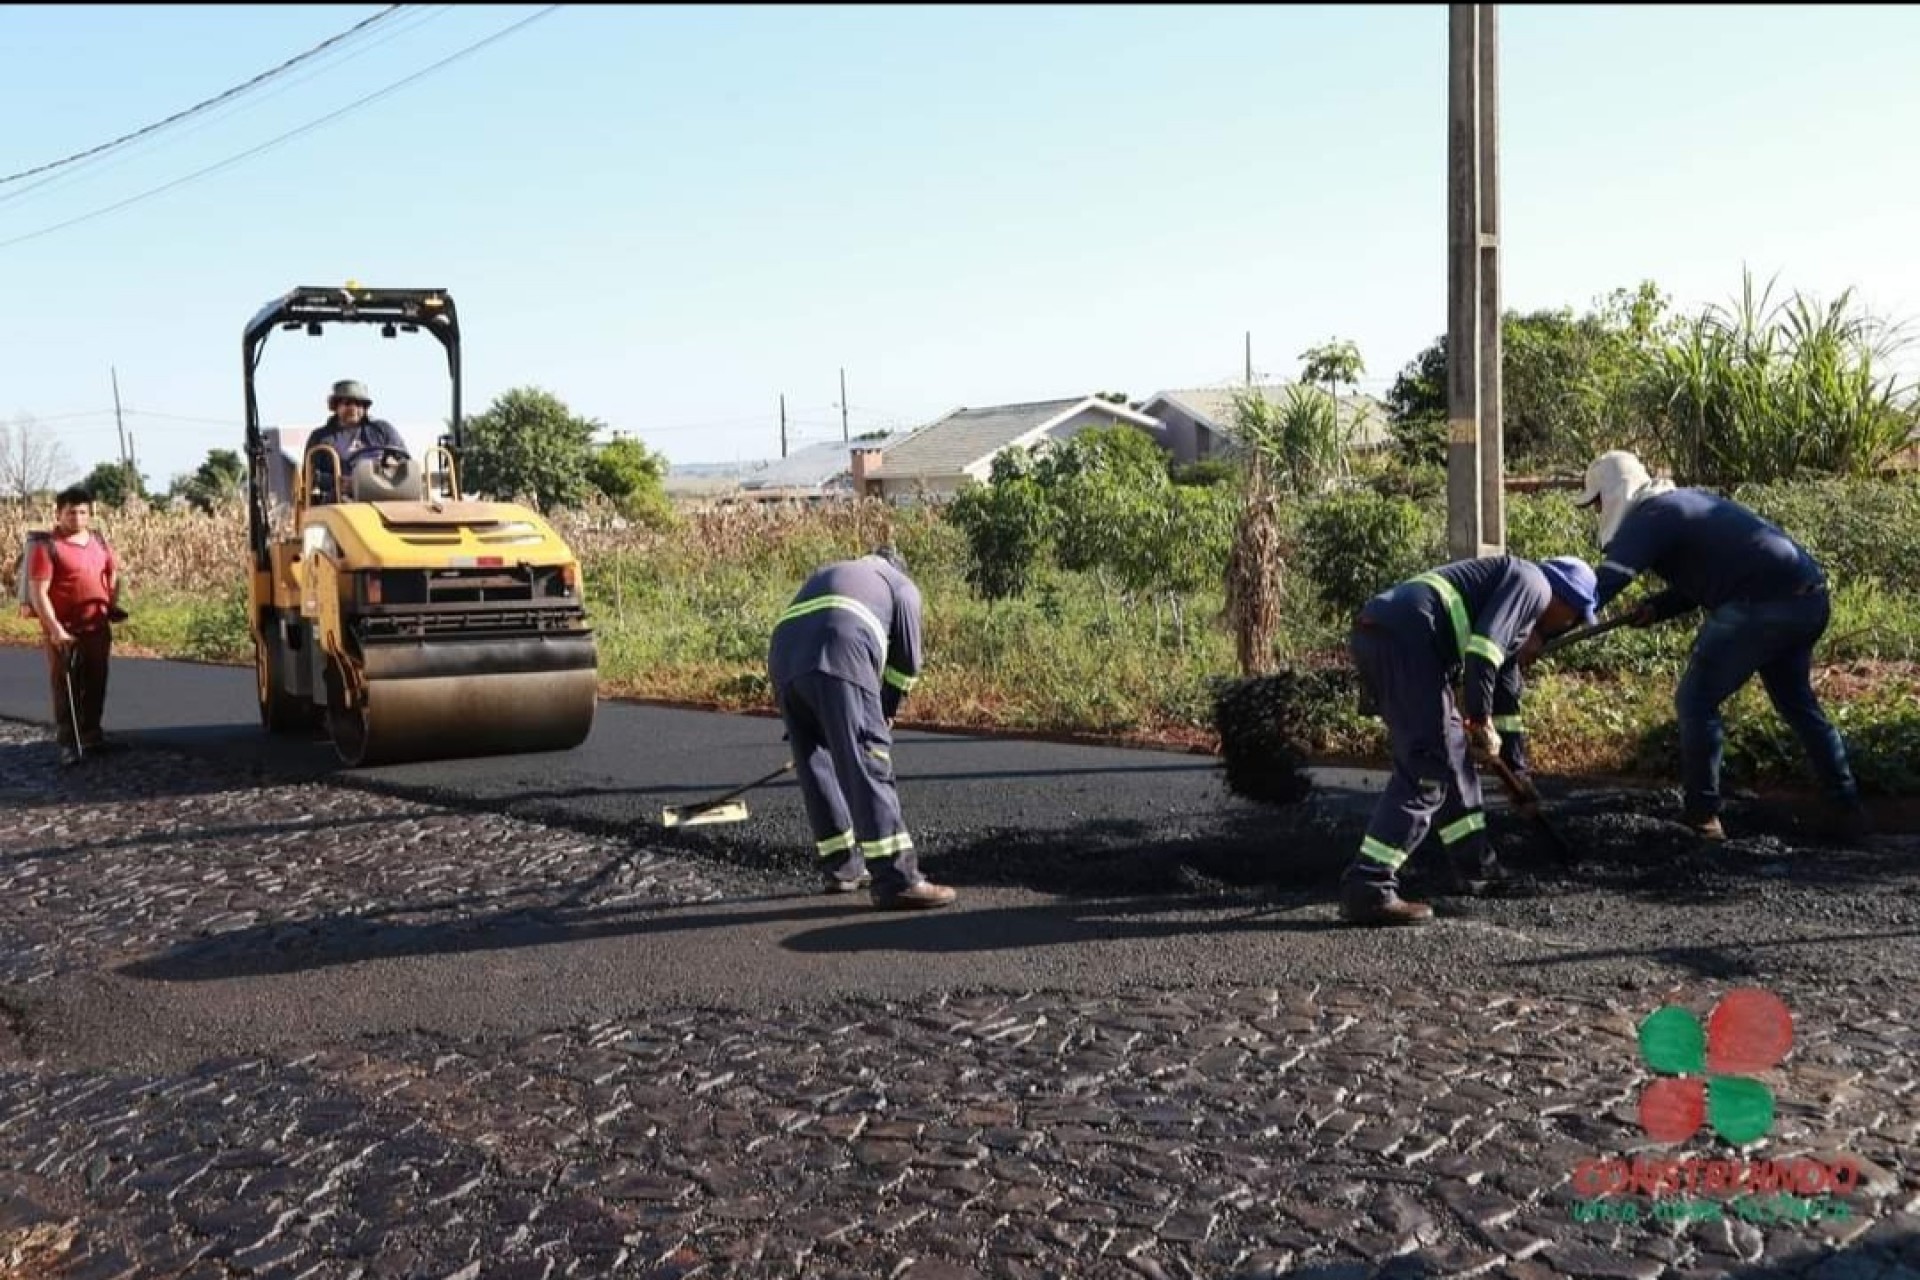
1707	828
922	895
1372	904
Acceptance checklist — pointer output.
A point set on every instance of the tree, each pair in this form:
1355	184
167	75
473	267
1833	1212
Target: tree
633	478
1090	481
219	480
1571	386
112	483
1333	364
31	461
529	445
1006	522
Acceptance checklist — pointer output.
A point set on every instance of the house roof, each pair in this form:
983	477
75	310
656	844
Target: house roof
807	468
964	437
1213	406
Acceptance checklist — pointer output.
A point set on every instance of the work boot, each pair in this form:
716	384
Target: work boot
69	757
921	895
831	882
1481	878
1706	827
1366	903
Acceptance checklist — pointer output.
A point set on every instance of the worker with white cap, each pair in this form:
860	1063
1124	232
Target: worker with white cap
1767	607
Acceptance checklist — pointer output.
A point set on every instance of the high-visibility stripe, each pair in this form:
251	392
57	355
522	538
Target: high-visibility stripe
880	753
1456	608
1383	853
1487	649
887	846
834	845
1626	570
1509	724
900	679
848	603
1455	832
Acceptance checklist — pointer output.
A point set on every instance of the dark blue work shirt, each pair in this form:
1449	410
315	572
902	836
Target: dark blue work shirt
1709	550
858	620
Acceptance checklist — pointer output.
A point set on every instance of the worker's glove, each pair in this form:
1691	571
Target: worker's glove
116	614
1483	741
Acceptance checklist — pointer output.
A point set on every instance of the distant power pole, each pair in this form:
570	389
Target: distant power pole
783	426
1476	502
844	437
119	426
1249	357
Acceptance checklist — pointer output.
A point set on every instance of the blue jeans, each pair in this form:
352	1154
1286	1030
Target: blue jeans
1775	639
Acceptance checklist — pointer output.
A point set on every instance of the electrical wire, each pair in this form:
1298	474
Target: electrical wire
355	105
327	63
198	107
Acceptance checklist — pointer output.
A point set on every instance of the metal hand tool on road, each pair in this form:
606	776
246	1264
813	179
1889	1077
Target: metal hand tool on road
1520	792
68	663
722	808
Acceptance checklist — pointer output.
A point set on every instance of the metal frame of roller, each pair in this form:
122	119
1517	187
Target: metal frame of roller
414	625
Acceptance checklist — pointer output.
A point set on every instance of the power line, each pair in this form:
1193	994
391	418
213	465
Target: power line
355	105
198	107
320	66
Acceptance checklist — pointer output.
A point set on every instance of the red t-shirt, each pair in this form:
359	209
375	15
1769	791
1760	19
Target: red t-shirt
79	580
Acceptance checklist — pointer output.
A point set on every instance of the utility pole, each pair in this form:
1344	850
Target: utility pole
844	437
119	426
1249	357
1476	501
783	426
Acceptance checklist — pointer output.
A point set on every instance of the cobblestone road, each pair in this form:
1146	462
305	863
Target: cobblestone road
1334	1129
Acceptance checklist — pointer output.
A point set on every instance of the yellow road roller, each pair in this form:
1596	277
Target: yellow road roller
413	622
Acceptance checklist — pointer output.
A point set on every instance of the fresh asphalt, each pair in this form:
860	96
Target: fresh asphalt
978	806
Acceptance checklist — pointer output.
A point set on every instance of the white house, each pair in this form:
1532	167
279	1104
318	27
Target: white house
1199	421
942	457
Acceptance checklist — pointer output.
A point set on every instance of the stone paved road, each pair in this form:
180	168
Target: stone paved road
266	1025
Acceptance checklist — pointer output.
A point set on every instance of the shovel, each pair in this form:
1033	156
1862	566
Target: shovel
722	808
1578	634
1553	834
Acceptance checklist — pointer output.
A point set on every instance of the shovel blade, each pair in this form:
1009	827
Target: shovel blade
693	816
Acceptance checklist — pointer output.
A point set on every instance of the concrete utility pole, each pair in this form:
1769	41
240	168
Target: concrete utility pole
1249	357
1476	501
783	426
119	426
844	437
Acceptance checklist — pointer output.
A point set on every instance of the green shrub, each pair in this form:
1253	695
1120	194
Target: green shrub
1357	544
1856	528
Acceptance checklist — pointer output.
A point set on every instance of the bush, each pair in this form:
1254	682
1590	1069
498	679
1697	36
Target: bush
1546	524
1357	544
1856	528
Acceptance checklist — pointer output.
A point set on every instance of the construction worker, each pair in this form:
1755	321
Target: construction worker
1767	607
72	582
843	656
1486	619
352	434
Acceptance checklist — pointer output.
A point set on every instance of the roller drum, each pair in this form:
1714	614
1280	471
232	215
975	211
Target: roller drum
445	699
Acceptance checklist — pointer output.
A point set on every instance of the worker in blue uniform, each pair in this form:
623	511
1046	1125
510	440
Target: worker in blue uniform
843	656
1481	620
1767	607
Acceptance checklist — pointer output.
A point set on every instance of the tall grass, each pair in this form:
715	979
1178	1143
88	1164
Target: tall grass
1767	390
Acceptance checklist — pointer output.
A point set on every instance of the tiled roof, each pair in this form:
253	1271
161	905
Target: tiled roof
955	442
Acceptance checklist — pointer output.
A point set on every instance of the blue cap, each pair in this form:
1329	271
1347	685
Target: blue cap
1572	580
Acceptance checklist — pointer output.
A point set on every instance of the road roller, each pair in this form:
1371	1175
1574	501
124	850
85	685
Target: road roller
407	620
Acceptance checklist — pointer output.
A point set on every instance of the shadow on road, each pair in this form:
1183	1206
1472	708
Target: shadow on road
328	941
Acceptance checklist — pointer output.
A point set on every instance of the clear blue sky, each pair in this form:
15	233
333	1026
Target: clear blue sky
670	216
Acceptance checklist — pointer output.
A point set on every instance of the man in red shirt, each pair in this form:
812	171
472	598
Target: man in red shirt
71	581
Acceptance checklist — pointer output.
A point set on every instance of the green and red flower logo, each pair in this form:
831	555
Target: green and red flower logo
1710	1068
